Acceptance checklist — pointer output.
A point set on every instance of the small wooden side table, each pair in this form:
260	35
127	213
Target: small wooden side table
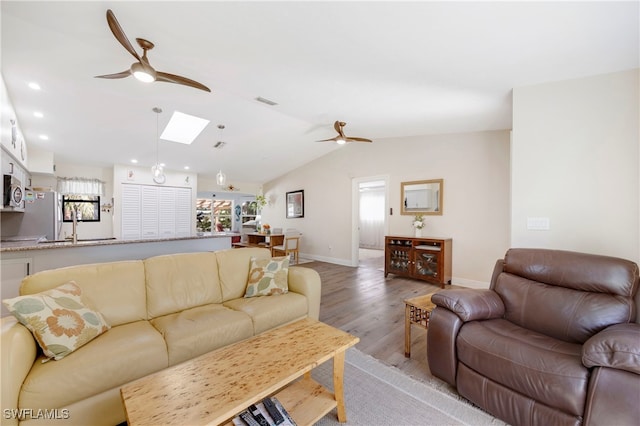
417	311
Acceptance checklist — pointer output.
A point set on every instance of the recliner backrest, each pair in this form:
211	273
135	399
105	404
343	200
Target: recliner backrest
566	295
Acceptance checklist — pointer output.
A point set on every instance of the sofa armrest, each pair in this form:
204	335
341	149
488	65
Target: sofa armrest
17	354
470	304
307	282
617	346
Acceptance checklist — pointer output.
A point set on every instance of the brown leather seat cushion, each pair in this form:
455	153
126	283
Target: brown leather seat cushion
541	367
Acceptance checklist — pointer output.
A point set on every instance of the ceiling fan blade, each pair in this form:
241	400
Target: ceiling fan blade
122	74
328	140
353	139
171	78
119	34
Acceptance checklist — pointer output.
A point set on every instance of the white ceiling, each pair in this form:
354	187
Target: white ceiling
388	69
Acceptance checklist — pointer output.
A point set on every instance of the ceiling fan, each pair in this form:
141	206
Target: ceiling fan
341	138
142	70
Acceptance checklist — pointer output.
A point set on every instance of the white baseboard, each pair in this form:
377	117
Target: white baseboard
337	261
469	283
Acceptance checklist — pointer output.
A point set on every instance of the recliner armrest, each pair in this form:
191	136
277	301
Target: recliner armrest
617	346
470	304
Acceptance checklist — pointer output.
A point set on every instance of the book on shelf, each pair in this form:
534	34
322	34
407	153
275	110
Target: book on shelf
258	414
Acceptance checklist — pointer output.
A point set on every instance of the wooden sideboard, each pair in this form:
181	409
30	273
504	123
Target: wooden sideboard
424	258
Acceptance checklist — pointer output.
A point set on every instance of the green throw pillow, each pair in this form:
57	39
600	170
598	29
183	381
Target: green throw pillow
268	277
58	319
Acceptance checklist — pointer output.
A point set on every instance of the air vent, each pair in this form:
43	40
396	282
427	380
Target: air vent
219	144
265	101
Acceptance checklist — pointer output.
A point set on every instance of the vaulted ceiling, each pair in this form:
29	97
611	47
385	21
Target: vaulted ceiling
388	69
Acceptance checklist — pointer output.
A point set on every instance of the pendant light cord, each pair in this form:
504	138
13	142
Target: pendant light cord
157	111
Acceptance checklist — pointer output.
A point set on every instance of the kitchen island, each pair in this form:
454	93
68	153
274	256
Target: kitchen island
23	258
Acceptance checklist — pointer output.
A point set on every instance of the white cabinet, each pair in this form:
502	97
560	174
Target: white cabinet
155	212
167	212
13	271
131	211
11	136
149	212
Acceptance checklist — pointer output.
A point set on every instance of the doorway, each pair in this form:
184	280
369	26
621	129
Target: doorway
370	224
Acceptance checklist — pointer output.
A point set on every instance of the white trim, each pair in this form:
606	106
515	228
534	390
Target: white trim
464	282
343	262
355	213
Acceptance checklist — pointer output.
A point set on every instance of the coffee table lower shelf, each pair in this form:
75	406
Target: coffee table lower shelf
306	401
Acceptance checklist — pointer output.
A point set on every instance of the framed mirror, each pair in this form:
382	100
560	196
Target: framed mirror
421	197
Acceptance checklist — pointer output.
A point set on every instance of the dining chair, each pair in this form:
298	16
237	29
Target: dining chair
290	245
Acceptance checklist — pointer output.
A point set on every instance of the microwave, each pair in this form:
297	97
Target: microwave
13	194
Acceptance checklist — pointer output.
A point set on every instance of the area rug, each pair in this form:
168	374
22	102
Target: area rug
379	395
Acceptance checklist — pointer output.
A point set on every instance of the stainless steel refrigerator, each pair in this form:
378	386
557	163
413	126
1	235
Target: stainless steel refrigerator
41	217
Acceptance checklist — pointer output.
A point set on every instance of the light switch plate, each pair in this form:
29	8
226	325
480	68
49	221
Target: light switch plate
538	223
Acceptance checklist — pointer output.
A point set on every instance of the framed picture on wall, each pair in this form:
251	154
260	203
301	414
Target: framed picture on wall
295	204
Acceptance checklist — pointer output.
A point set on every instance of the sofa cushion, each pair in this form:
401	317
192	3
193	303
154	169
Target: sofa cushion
268	277
177	282
545	369
115	289
233	269
58	319
122	354
199	330
269	312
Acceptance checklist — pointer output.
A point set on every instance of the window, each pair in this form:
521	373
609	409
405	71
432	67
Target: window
249	211
213	215
87	206
222	214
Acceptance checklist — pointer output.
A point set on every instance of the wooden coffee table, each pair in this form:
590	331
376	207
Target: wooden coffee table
417	311
213	388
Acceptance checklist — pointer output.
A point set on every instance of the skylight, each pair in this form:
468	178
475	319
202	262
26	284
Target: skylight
183	128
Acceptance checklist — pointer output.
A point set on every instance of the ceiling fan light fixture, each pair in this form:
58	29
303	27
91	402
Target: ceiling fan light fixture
340	141
143	73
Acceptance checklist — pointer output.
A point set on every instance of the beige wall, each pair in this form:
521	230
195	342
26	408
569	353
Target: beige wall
475	169
575	160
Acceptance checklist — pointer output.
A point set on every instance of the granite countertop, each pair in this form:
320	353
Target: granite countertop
34	244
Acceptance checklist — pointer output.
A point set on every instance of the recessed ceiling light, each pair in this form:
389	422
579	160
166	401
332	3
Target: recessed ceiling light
35	86
162	164
38	114
183	128
134	161
186	167
44	137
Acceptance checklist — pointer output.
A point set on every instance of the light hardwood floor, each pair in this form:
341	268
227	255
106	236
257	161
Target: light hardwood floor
362	302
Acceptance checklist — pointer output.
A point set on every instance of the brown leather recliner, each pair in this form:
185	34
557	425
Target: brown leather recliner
551	342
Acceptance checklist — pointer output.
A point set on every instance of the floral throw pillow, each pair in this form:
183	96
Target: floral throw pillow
58	319
268	277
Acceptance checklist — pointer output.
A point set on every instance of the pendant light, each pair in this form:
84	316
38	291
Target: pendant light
221	178
157	169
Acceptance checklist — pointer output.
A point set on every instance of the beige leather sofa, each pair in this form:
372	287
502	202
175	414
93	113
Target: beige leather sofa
163	310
